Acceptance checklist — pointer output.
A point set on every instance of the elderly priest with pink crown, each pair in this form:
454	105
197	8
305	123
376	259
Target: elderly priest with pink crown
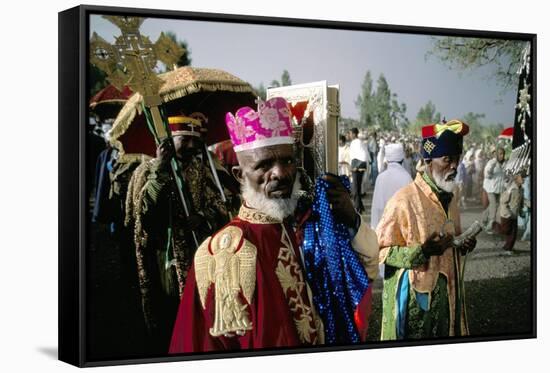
270	278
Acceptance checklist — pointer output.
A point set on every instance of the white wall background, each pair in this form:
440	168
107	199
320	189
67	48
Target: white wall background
28	184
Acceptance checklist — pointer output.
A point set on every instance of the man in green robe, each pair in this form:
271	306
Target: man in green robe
423	294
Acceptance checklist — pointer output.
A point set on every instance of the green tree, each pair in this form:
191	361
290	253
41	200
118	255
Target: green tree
471	53
285	80
399	113
379	107
480	131
493	130
382	99
261	91
475	122
185	59
98	79
427	114
365	102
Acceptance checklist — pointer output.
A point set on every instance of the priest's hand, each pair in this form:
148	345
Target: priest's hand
468	246
165	152
436	244
340	201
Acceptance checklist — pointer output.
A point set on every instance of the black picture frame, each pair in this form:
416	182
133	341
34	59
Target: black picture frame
73	184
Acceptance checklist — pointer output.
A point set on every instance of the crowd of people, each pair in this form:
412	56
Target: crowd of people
480	181
249	261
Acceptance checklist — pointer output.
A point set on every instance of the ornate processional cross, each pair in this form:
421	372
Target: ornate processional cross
131	61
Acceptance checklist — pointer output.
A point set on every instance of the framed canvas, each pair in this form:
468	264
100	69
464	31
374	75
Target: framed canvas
236	186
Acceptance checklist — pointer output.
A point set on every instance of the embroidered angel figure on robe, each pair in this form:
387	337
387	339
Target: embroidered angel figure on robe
231	266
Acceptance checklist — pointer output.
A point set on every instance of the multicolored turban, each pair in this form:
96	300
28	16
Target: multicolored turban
192	125
440	140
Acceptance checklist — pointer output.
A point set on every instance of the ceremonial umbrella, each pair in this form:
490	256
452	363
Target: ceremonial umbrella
507	133
185	90
107	103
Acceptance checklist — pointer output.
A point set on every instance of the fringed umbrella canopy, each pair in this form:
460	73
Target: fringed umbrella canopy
185	90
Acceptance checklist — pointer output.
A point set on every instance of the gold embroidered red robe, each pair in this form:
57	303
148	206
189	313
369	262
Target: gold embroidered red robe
246	290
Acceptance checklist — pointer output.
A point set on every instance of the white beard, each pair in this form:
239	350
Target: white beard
278	208
446	185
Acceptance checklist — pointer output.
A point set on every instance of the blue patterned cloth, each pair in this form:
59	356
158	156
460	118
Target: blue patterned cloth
333	270
402	302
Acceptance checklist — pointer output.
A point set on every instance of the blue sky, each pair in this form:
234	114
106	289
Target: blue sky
258	53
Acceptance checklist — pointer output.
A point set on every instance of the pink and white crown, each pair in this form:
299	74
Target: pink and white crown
270	125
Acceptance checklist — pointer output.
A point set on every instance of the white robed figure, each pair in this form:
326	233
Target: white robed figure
390	181
393	178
